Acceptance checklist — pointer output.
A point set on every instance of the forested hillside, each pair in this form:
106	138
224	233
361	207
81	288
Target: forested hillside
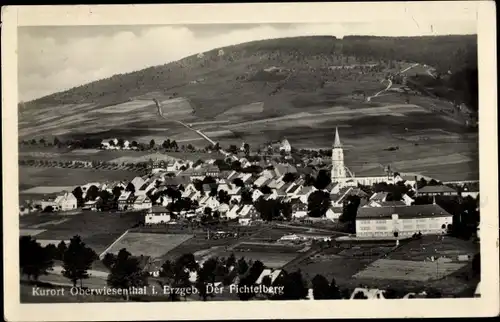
307	58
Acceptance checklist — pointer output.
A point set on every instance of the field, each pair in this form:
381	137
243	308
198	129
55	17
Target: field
30	177
423	249
97	229
153	245
389	269
406	268
125	107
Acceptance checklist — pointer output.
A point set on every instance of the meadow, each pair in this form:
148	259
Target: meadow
30	177
97	229
153	245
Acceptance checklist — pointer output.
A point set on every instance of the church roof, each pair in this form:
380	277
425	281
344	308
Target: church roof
336	143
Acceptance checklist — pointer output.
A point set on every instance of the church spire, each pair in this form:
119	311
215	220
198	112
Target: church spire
336	143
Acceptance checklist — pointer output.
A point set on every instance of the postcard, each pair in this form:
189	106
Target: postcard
250	161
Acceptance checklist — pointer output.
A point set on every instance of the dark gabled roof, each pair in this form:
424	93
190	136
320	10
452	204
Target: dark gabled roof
436	189
398	203
416	211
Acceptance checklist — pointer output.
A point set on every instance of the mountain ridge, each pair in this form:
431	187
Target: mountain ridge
432	50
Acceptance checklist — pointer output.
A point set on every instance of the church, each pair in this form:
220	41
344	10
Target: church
343	177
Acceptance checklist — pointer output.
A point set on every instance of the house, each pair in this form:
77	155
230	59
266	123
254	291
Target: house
126	200
405	220
233	212
333	213
407	200
137	182
146	187
470	190
285	146
157	215
304	193
340	195
369	294
437	190
395	203
281	169
195	195
299	210
142	202
66	202
223	208
90	205
293	191
273	275
262	181
379	196
210	202
256	194
245	177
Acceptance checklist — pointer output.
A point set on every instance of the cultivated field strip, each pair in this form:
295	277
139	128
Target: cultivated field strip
408	270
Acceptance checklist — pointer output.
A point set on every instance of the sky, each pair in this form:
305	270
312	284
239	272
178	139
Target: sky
56	58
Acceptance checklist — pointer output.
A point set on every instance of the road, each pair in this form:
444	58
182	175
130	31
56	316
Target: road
225	153
390	82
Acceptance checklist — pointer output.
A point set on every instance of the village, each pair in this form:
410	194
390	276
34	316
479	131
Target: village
231	202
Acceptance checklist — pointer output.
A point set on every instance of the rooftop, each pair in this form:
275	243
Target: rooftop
416	211
436	189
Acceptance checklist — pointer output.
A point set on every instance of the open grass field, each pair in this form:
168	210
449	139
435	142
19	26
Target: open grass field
388	269
30	177
269	259
423	249
153	245
97	229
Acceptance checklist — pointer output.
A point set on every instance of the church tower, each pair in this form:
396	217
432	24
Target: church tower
338	168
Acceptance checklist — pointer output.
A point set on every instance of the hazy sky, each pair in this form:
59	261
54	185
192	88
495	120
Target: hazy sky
52	59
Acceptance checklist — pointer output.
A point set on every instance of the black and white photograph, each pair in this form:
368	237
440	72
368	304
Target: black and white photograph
251	162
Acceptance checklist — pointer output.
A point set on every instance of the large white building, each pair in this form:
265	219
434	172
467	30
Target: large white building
405	220
343	176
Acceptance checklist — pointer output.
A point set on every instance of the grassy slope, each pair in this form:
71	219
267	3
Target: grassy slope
237	78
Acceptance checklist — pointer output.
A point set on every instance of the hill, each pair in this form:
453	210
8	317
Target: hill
295	87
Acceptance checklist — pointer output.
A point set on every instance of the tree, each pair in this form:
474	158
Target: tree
335	293
56	141
236	165
321	289
34	260
152	144
242	266
78	193
246	148
77	260
92	193
233	149
207	211
231	260
289	177
350	208
109	260
265	190
249	279
126	272
130	187
238	182
294	287
121	142
318	203
61	249
476	264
